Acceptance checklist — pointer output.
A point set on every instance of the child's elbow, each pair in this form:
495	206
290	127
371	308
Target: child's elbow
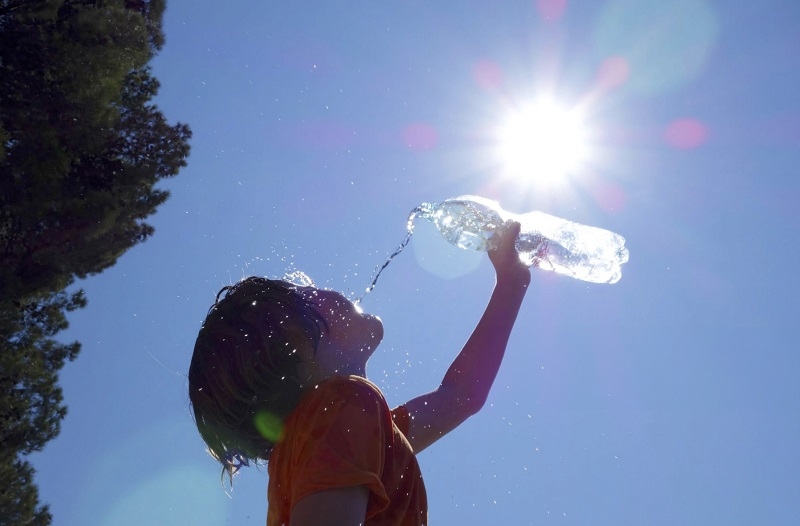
473	404
462	403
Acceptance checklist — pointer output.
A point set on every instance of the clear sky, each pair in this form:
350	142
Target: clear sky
668	398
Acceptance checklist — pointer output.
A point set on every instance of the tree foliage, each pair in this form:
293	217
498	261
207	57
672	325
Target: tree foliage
82	148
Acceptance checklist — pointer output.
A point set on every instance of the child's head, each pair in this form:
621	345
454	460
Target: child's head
244	378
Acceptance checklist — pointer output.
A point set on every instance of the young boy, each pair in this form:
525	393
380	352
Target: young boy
278	374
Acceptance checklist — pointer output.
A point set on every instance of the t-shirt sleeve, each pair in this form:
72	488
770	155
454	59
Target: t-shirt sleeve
344	446
401	419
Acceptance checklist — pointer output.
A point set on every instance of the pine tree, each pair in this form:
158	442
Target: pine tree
82	148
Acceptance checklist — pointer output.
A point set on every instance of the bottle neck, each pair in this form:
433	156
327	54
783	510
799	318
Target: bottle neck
425	211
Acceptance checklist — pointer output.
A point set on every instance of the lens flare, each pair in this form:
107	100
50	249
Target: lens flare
269	425
614	72
686	134
420	136
666	44
551	9
488	75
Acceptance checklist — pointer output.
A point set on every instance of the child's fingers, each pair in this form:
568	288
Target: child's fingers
512	232
509	237
505	259
505	249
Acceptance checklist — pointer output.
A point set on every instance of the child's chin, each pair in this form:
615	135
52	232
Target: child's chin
376	331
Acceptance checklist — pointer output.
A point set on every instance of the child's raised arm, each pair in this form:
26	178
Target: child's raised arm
465	387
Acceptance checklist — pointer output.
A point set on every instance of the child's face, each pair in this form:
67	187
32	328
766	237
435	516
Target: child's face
352	335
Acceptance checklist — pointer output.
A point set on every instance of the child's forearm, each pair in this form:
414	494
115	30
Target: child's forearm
466	384
473	371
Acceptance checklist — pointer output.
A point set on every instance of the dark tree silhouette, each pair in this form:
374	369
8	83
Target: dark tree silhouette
82	148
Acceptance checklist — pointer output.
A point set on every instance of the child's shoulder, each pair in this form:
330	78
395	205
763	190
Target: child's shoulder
351	386
351	391
341	397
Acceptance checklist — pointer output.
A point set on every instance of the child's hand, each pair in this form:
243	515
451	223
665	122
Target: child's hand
505	259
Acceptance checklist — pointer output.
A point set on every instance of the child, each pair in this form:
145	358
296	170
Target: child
278	374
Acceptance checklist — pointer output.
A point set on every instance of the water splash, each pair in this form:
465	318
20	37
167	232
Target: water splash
299	278
421	210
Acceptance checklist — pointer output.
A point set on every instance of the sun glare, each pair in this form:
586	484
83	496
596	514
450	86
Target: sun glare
542	142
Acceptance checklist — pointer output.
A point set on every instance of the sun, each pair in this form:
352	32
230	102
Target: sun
541	142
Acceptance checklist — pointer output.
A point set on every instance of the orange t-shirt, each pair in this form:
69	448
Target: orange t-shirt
343	434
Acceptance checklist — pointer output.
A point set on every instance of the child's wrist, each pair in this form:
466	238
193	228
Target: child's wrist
515	278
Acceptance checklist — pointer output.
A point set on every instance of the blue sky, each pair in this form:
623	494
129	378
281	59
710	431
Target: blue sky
668	398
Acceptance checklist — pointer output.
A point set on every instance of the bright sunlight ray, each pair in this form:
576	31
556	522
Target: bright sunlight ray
541	142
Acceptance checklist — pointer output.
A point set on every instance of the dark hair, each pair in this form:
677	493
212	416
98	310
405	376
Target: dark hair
243	379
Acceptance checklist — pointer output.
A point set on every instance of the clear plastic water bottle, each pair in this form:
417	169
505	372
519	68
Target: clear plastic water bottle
545	241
